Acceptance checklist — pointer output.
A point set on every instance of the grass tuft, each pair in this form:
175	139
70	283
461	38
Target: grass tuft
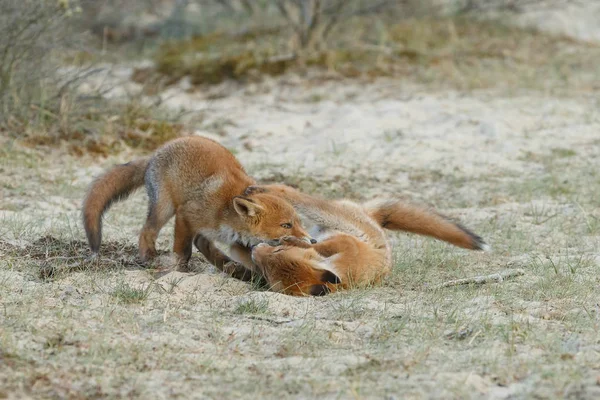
252	306
128	294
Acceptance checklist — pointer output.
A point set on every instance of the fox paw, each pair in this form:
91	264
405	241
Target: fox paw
293	241
147	255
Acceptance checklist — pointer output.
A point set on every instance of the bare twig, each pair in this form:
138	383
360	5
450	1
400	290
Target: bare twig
312	23
336	12
78	77
479	280
283	10
273	321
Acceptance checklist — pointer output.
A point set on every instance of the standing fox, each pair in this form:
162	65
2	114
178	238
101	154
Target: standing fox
202	184
352	248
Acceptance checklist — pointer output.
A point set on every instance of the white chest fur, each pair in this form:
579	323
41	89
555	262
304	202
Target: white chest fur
226	234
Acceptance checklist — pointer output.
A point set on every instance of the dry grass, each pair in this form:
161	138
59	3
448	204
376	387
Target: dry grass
462	53
112	328
102	129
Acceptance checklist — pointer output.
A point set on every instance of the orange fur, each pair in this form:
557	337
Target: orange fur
353	246
202	184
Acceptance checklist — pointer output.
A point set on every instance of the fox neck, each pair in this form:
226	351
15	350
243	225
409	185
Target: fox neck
231	229
231	235
228	234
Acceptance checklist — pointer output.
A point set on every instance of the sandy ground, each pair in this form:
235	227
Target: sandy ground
522	170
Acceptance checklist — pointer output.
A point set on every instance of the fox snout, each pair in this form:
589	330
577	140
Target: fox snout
304	236
278	242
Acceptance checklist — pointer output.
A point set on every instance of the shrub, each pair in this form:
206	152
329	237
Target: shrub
30	33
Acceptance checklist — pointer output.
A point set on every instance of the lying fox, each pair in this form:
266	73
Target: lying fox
202	184
352	248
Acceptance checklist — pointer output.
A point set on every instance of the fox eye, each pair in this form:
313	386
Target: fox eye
277	251
287	225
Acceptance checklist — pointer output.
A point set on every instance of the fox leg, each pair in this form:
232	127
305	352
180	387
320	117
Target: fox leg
159	213
329	247
217	258
182	246
212	254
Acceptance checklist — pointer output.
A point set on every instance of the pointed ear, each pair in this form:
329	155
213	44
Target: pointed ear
327	276
246	207
319	290
330	277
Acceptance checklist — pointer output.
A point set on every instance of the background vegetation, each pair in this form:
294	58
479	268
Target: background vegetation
48	49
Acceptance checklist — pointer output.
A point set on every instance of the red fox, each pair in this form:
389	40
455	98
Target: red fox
202	184
352	248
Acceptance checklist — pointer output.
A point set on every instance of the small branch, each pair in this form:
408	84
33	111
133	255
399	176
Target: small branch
283	10
336	13
77	77
273	321
479	280
313	23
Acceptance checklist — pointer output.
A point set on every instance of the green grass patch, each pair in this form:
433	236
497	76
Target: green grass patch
252	306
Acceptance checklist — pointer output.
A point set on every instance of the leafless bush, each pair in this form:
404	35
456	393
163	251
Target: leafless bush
311	21
313	18
31	31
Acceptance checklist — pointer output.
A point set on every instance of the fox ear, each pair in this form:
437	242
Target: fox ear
330	277
322	289
319	290
246	207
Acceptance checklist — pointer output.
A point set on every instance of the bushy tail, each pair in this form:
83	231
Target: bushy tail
396	215
114	185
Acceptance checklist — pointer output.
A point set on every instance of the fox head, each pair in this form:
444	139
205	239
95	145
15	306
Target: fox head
295	271
268	218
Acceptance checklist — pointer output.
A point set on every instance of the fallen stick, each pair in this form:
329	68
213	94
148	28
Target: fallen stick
479	280
271	320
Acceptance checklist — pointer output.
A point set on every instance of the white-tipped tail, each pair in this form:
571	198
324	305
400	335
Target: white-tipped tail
486	247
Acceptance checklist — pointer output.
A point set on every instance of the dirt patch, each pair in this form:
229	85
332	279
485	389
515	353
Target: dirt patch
53	257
